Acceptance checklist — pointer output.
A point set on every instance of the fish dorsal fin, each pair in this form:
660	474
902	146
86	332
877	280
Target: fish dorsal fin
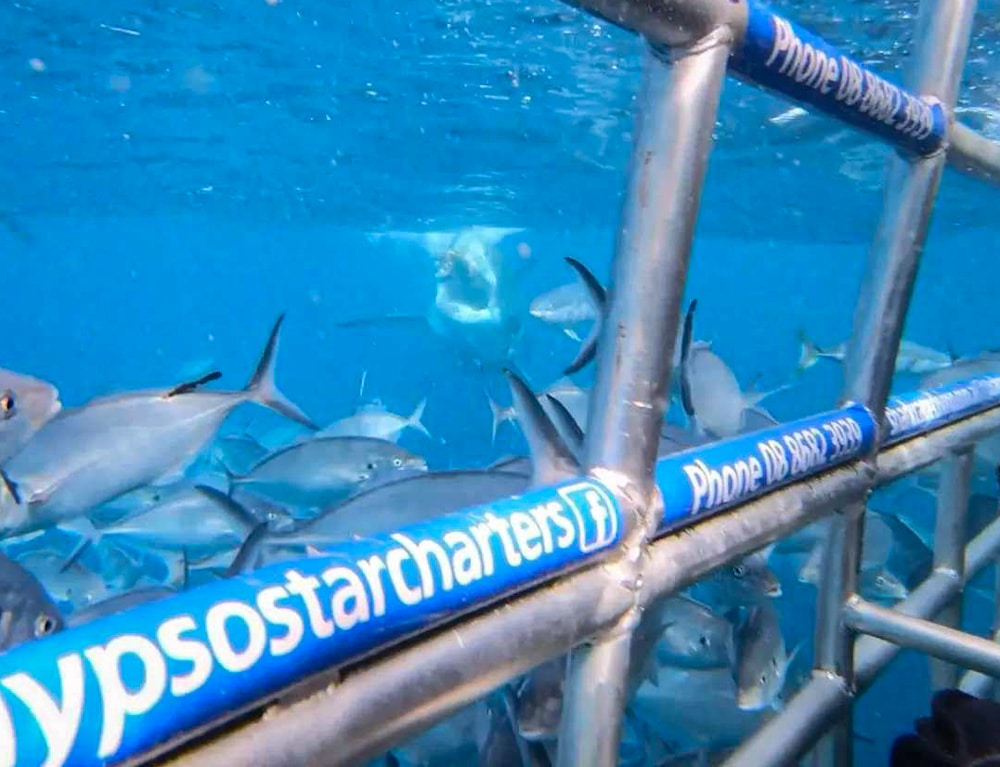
686	402
190	386
600	300
951	354
551	460
567	427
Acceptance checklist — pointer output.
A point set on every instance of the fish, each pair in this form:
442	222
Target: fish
718	406
538	709
27	612
374	421
26	404
674	439
196	520
502	746
912	358
68	583
711	395
539	700
386	508
761	659
513	464
695	636
696	709
322	470
983	363
118	603
575	400
566	307
746	581
237	454
86	456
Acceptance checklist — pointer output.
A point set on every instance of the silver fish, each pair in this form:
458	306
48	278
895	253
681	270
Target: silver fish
565	307
696	709
195	520
539	700
387	507
237	454
711	395
746	581
323	470
26	610
502	746
719	406
761	659
118	603
695	636
70	584
26	404
86	456
912	358
374	421
575	400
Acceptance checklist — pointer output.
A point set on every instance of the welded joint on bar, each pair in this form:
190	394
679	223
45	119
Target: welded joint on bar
642	512
720	36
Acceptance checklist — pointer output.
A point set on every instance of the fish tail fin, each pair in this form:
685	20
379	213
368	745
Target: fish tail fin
809	353
88	533
415	420
262	386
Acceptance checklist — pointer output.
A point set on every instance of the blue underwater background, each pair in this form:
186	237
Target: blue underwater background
177	173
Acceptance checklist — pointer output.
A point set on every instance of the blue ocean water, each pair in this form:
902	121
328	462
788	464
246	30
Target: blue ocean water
175	175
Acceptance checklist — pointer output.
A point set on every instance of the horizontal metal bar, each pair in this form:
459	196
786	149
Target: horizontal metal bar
217	650
952	645
427	681
774	53
825	697
972	153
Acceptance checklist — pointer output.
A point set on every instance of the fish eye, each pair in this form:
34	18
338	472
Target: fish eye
44	624
397	462
879	580
763	678
370	466
739	571
703	640
7	402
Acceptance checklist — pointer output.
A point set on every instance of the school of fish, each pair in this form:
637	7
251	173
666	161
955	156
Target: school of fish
132	496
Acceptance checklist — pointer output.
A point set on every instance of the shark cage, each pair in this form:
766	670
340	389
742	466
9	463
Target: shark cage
345	654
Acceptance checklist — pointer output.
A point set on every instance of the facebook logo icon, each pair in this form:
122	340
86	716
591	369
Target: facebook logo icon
596	514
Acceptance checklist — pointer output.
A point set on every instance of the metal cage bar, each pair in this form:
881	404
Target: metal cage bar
341	686
950	534
677	100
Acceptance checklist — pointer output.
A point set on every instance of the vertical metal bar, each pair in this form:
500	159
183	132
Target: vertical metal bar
996	616
678	104
942	40
834	641
950	536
